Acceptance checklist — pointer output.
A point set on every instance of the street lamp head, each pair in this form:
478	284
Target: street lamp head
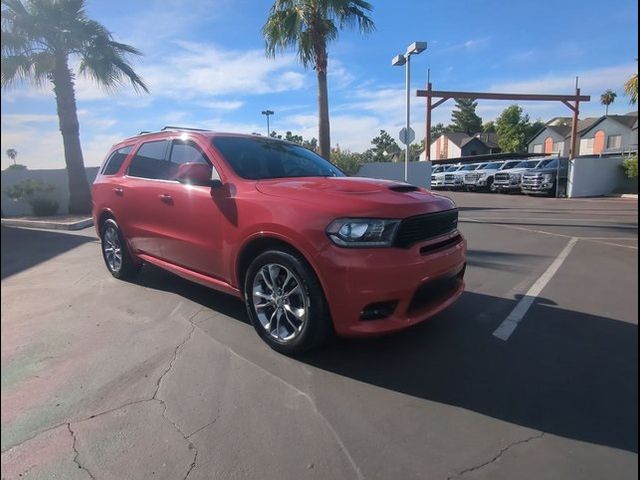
399	60
267	112
416	47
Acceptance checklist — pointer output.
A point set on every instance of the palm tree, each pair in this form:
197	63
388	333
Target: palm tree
309	25
631	89
38	38
12	153
606	99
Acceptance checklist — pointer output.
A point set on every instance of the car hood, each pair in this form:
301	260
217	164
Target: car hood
542	170
356	195
515	170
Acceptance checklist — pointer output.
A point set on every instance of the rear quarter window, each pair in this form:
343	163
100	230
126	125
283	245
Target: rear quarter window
115	161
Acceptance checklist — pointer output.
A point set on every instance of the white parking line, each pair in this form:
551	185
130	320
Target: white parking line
509	325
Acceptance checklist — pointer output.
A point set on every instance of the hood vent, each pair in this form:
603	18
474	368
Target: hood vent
404	188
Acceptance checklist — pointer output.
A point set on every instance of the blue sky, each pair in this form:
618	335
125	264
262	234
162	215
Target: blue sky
205	65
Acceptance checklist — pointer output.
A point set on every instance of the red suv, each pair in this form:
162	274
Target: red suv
309	250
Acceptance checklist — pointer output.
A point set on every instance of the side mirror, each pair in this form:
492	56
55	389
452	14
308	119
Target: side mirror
198	174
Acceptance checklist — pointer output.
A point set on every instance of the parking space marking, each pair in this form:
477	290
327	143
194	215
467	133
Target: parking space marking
509	325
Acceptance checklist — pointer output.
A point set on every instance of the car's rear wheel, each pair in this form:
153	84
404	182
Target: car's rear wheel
285	302
115	252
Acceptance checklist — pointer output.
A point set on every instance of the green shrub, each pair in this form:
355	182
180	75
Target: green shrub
44	207
630	166
35	193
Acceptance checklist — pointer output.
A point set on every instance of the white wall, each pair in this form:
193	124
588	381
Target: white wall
453	151
57	178
595	176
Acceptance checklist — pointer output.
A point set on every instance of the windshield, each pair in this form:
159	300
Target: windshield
452	168
492	166
260	158
510	164
527	164
467	168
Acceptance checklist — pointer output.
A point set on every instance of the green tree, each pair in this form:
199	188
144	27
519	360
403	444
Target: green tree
512	126
464	117
532	128
309	26
38	38
347	161
489	127
606	99
384	145
438	129
631	89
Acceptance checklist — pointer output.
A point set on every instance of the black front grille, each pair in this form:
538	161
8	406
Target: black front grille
423	227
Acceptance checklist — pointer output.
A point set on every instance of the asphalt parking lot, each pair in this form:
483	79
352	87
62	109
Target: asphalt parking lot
533	374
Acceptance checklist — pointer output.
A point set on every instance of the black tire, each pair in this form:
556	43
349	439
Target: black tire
316	327
127	267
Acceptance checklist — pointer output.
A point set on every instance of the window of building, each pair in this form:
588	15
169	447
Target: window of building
149	161
614	141
113	164
537	148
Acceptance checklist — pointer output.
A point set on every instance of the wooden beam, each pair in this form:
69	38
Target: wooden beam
572	107
504	96
439	102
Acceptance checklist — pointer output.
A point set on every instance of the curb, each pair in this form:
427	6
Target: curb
48	225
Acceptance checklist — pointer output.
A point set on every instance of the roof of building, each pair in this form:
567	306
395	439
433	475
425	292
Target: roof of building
627	120
461	139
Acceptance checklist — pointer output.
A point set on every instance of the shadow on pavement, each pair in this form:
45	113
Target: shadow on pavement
568	373
24	248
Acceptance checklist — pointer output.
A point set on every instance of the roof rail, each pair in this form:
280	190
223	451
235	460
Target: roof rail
172	127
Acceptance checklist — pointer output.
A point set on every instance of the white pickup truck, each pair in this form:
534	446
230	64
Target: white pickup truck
437	177
510	179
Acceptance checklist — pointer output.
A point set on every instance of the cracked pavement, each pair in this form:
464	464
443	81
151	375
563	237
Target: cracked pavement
160	378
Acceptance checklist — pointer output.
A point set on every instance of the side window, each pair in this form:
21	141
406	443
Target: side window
149	161
113	164
183	153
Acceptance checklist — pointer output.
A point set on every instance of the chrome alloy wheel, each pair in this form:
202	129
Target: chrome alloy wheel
279	302
112	249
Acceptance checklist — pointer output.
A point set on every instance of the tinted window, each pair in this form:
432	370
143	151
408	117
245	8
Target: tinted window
469	167
183	153
508	165
527	164
493	166
257	158
113	164
149	161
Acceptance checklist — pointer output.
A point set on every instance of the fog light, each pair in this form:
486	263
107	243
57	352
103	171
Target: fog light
377	311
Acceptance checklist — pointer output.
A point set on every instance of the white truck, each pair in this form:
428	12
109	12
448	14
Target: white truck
510	179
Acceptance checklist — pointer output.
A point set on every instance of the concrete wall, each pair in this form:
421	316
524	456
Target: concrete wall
419	173
57	178
593	176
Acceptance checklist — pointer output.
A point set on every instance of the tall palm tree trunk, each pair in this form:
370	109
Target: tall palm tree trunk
324	133
79	193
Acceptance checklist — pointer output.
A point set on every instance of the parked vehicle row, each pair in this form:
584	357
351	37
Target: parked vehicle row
532	176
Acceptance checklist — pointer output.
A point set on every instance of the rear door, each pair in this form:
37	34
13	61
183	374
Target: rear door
191	219
142	192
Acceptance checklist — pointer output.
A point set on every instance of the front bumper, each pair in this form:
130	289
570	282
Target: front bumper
420	281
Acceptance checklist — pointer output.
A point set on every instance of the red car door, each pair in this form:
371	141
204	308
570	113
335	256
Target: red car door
191	219
143	203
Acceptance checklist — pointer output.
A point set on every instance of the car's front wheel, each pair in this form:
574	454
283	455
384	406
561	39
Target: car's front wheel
285	302
115	252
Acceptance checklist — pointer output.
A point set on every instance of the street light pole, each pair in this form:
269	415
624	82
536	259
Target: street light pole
407	146
267	113
407	135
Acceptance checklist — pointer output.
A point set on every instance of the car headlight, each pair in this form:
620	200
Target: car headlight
481	175
363	232
514	176
547	177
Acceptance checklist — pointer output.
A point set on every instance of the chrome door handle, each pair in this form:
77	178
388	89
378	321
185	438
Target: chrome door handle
118	191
